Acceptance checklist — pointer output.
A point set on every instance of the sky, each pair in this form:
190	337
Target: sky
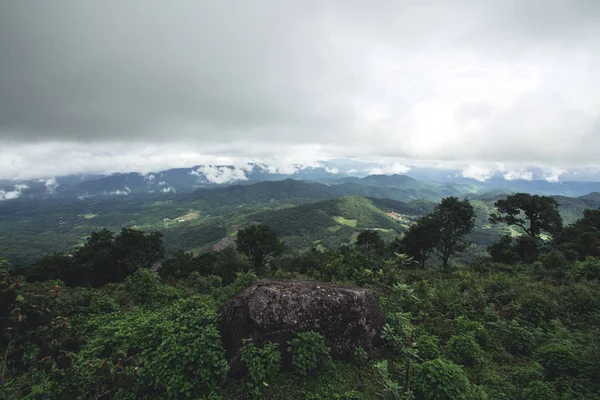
483	86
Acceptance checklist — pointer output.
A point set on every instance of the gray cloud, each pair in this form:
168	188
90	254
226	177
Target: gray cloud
109	85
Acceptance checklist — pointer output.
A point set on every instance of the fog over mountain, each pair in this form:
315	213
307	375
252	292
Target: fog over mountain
469	89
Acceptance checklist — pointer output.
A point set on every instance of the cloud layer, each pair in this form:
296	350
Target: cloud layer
115	86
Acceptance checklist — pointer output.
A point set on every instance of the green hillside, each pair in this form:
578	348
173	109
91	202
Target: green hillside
331	221
307	213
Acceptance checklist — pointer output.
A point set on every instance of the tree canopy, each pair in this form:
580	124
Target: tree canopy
532	213
440	233
259	242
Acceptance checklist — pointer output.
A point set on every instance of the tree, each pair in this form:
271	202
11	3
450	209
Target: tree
441	232
418	240
259	242
582	238
532	213
454	219
369	239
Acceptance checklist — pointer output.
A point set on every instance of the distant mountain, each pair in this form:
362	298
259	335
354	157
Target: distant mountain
420	183
270	192
400	181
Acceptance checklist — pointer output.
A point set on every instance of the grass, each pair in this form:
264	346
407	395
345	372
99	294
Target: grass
343	221
334	228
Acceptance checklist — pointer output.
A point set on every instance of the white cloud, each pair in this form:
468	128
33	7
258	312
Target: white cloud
169	189
13	194
477	172
515	175
332	170
390	169
553	176
220	175
51	184
120	192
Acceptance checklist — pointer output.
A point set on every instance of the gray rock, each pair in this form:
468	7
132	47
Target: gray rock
348	317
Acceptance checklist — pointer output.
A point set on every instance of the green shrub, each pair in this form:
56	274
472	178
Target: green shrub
391	389
515	338
361	356
463	349
441	379
262	363
427	346
144	288
558	359
179	346
203	284
309	352
539	390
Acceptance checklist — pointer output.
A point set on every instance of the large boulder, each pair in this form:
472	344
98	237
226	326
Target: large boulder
348	317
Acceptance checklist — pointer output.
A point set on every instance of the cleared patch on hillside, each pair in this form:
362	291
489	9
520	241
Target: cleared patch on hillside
89	215
343	221
515	231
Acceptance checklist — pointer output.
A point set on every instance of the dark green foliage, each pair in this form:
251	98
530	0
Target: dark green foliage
581	239
259	243
427	346
454	219
441	379
464	350
526	248
369	239
229	263
104	258
309	352
179	347
144	289
391	389
262	364
532	213
441	232
558	359
418	240
179	266
539	390
502	251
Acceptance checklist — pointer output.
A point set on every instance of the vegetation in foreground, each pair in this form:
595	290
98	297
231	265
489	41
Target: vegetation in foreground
522	323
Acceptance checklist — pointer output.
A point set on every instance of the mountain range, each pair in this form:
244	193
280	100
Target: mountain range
426	183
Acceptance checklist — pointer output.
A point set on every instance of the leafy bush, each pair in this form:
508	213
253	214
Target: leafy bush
441	379
179	346
427	346
558	359
360	356
539	390
203	284
309	352
144	288
463	349
262	363
391	389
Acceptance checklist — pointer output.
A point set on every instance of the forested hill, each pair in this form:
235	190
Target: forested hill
206	217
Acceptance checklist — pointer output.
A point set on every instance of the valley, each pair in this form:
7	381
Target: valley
304	213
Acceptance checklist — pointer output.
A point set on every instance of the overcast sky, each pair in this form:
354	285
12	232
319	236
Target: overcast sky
143	85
